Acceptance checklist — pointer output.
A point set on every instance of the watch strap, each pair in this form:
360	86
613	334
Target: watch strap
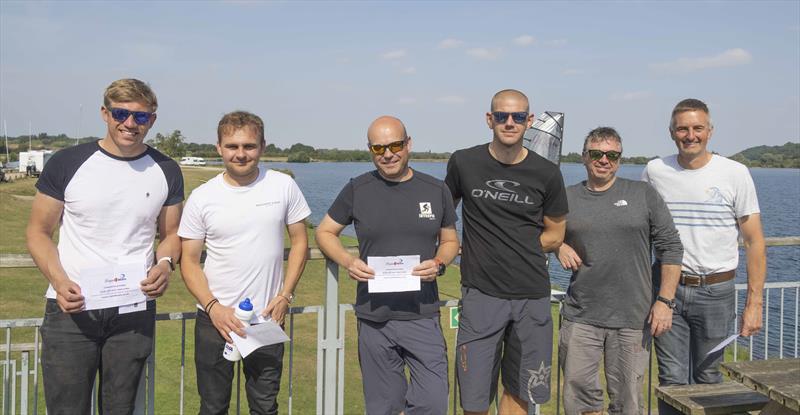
670	303
169	260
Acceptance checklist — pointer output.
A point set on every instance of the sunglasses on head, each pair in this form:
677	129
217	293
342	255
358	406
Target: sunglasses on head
139	117
598	154
500	117
394	147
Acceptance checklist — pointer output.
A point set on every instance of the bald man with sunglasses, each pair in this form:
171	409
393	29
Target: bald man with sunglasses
612	226
397	212
107	198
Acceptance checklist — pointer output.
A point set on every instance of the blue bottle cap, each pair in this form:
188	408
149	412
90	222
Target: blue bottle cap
246	305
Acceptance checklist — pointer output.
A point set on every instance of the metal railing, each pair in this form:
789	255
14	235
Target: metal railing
22	371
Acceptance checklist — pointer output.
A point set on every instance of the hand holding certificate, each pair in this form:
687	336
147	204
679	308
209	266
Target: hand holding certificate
393	273
113	285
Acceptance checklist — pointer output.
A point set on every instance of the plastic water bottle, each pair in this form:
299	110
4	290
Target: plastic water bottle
244	312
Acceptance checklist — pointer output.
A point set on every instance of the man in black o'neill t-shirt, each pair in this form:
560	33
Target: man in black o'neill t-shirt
397	212
514	209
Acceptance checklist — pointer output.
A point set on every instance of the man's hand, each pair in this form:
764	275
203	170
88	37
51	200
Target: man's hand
225	321
660	319
568	258
277	309
157	280
68	296
360	271
427	270
751	320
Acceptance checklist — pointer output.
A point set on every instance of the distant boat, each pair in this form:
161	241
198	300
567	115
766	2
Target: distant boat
193	161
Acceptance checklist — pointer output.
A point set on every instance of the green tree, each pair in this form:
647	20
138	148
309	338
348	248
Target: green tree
298	157
172	145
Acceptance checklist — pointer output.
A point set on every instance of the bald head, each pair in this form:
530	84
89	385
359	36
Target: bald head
509	94
386	127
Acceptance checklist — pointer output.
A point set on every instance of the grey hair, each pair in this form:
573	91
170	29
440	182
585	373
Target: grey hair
689	104
602	134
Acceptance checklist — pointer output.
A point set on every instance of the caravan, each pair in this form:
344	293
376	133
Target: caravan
193	161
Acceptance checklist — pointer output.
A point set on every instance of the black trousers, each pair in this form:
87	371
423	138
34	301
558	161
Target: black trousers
262	372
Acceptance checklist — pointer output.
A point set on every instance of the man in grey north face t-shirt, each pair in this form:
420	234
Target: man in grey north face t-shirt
609	310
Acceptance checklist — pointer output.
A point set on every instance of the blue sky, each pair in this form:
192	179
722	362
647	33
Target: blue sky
320	72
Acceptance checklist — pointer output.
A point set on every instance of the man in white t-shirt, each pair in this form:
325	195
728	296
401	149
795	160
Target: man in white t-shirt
240	216
713	201
107	198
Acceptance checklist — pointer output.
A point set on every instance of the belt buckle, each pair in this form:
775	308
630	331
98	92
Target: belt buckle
691	283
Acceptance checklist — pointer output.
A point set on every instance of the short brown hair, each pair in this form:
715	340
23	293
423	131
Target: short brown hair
237	120
689	104
602	134
130	90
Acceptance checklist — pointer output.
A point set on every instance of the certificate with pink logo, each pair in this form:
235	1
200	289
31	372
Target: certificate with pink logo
393	273
113	285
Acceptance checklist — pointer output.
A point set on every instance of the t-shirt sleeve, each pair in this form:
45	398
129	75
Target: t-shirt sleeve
645	174
555	201
746	201
174	177
192	225
60	169
297	208
663	234
341	210
452	179
449	214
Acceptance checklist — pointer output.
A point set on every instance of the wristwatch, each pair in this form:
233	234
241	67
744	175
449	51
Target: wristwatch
442	267
169	260
289	298
670	303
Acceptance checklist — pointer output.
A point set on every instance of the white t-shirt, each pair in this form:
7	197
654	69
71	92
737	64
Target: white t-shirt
706	204
243	228
111	204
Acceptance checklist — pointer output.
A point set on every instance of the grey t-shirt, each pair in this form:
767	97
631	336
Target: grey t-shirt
395	218
613	233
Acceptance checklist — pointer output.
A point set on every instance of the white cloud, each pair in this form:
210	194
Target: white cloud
407	100
630	96
450	43
409	70
394	54
484	53
571	71
731	57
555	42
451	99
525	40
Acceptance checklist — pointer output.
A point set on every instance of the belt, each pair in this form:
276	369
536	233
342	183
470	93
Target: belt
691	280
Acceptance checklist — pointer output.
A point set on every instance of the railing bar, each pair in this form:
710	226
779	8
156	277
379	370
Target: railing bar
36	371
751	347
766	329
797	314
6	369
238	368
23	380
183	365
780	342
736	307
340	363
291	359
13	387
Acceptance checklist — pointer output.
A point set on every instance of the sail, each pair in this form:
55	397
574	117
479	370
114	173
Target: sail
545	135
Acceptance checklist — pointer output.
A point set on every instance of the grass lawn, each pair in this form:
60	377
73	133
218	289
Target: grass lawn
22	289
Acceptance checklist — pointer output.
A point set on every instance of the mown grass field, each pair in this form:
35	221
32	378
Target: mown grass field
22	289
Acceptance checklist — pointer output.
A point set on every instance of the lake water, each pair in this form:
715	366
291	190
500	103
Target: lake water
778	195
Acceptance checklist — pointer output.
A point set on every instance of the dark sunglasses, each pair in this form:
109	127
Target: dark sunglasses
598	154
394	147
518	117
139	117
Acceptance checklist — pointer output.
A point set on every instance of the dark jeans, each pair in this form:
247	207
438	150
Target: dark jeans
262	372
76	346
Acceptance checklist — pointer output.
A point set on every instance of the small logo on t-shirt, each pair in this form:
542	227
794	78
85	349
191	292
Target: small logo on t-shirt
621	202
147	194
274	202
426	211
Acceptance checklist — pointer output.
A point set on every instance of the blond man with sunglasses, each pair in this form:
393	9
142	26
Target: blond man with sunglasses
397	213
107	198
612	226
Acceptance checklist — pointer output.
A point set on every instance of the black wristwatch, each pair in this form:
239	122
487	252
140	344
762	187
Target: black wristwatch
442	267
670	303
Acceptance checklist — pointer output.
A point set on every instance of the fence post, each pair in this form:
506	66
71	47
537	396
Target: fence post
331	341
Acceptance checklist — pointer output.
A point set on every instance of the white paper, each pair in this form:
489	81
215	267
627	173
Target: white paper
113	285
393	274
259	335
132	308
724	343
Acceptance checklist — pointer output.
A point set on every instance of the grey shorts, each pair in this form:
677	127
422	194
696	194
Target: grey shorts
513	335
386	349
625	353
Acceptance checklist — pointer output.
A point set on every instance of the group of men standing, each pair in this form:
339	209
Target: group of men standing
109	199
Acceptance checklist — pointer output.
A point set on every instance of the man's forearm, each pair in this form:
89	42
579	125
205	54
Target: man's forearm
756	273
45	254
332	247
196	282
551	240
295	264
447	251
670	276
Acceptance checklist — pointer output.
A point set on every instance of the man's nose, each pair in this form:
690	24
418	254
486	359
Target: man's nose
129	122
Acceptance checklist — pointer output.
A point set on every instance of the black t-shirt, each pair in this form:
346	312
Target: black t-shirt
395	218
502	213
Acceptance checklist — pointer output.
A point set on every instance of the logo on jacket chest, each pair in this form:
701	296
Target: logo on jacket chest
426	211
503	191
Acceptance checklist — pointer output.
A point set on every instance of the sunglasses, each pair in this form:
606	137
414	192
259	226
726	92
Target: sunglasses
139	117
518	117
598	154
394	147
